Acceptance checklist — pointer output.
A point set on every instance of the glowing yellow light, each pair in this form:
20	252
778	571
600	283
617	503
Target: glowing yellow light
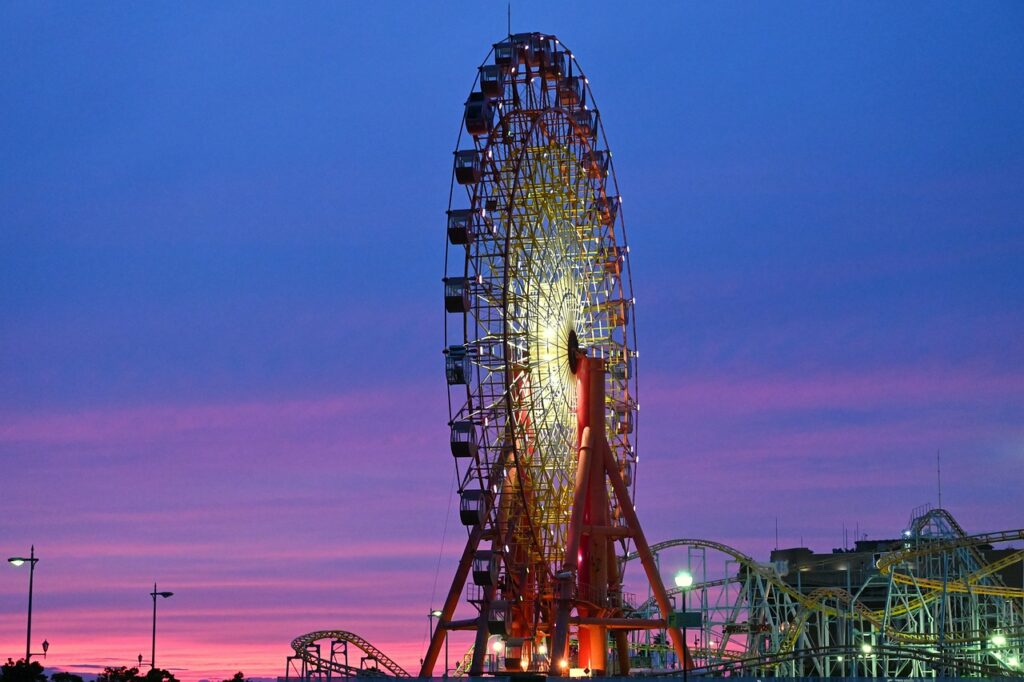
563	664
498	646
16	562
865	648
542	650
998	640
683	579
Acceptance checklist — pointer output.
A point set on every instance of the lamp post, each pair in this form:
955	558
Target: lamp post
435	613
683	581
155	594
18	561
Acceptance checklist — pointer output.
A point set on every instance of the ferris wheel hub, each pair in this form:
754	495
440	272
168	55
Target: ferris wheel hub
575	352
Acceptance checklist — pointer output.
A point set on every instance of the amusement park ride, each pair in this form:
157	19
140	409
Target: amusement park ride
540	361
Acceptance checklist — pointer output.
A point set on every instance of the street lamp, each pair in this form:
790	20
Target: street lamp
18	561
684	581
437	614
155	594
432	615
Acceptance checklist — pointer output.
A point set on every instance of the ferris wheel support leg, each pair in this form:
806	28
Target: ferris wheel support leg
615	587
452	600
560	639
594	575
646	558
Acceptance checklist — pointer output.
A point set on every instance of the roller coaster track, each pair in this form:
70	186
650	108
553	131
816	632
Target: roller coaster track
304	650
747	563
886	563
969	584
941	514
935	659
815	601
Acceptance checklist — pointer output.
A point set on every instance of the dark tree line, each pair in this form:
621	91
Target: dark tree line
20	671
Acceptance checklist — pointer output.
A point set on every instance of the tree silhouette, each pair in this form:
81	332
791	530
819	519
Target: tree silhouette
118	674
237	677
21	671
126	674
65	677
159	675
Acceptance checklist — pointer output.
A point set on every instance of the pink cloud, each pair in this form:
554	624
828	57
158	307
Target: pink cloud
149	423
872	389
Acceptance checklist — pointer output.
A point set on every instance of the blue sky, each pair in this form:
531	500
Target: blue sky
221	247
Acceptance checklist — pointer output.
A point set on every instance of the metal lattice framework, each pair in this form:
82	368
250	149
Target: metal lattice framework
936	605
309	653
540	350
537	265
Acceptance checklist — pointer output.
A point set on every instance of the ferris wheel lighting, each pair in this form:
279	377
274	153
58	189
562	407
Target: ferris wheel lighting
541	287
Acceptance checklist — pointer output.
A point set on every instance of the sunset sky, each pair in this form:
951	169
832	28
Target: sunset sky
221	251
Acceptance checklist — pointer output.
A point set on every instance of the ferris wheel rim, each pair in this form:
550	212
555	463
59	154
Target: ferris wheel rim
616	229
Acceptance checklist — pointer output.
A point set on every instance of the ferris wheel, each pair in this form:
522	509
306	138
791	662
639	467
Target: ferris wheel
540	351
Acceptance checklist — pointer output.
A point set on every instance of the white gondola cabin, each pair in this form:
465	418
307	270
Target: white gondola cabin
485	568
456	294
473	507
586	123
554	70
498	618
468	168
462	225
457	367
492	79
607	209
570	91
463	439
596	163
479	114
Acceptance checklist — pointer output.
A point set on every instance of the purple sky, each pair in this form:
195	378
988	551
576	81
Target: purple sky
221	243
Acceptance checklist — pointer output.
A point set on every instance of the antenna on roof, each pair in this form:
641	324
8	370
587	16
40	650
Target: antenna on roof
510	19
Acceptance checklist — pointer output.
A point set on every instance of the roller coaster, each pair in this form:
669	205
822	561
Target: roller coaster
937	603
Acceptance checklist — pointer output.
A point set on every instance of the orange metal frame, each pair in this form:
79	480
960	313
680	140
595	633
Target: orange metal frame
589	573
